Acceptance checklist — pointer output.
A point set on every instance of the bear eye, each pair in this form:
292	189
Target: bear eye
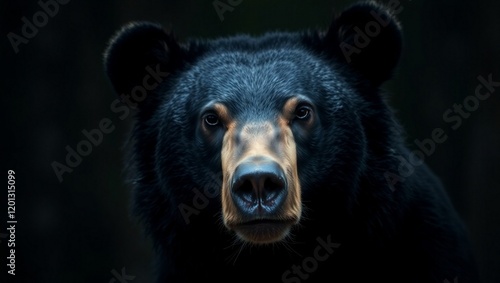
211	119
303	112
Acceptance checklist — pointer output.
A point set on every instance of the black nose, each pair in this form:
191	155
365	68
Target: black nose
259	187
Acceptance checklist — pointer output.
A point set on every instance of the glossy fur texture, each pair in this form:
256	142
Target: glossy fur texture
300	120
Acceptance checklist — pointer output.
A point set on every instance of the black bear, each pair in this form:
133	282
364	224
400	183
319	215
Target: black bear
276	158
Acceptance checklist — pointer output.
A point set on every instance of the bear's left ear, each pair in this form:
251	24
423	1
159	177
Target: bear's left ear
368	37
141	54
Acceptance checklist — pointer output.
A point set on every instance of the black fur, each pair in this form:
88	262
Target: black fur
408	232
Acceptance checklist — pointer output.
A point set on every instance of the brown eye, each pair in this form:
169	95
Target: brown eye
303	112
211	120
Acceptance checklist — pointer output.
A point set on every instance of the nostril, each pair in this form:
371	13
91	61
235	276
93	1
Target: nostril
273	186
245	190
246	187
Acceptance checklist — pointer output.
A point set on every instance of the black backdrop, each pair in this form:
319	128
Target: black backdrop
80	229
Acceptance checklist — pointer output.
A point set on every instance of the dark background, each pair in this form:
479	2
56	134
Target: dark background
80	229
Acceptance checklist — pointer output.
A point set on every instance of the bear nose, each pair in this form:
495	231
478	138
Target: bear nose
259	187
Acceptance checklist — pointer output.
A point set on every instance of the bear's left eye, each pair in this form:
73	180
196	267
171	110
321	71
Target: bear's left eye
303	112
211	119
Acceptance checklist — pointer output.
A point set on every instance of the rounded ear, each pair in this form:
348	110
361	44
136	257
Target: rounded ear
368	37
140	53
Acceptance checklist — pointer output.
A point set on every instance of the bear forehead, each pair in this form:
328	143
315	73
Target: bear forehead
265	71
289	70
261	59
256	75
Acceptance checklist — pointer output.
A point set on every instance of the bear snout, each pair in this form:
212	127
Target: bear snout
259	188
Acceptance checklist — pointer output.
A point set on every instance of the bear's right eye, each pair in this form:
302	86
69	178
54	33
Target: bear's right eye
211	119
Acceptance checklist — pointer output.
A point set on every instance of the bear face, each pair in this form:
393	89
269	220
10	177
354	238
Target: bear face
250	115
255	111
279	139
248	119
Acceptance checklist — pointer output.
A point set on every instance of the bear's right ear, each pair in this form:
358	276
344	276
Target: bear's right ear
141	54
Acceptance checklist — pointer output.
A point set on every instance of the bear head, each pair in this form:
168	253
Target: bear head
255	129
